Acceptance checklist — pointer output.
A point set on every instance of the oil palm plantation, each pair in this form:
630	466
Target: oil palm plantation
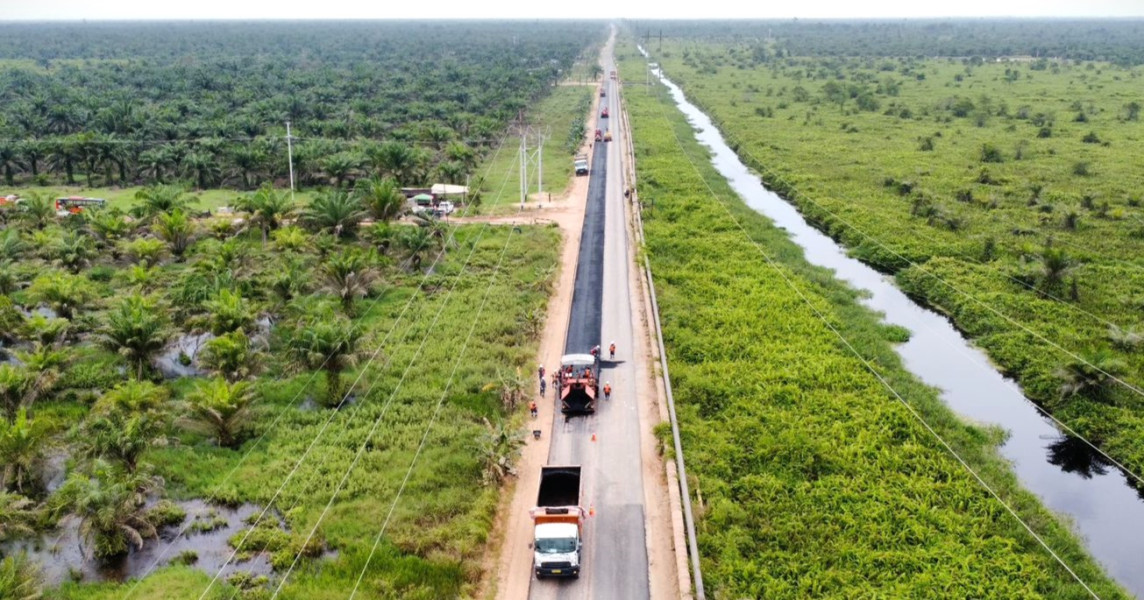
18	516
220	409
121	436
19	578
137	331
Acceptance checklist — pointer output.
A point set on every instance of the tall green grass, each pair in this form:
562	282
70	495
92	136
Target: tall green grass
810	479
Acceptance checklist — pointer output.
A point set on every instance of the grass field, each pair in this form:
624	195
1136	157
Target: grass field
557	114
810	480
1007	194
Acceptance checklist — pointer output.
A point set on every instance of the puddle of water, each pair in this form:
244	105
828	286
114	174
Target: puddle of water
1106	510
170	363
64	556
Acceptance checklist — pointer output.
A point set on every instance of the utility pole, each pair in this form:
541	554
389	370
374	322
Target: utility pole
540	162
290	157
523	161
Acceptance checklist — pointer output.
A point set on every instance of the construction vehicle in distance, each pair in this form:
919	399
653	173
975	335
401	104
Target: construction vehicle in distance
578	383
557	523
604	113
608	135
599	135
581	164
602	92
613	75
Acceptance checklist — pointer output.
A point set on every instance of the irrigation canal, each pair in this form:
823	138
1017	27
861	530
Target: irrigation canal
1064	472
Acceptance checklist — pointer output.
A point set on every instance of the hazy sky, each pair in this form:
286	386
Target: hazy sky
404	9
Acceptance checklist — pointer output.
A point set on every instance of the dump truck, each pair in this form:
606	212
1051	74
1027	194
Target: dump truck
608	135
604	113
599	135
578	383
581	164
557	523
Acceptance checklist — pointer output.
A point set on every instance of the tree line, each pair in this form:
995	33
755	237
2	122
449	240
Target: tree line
206	103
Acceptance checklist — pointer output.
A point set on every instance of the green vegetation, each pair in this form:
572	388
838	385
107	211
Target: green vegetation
557	114
1006	194
810	478
419	102
268	304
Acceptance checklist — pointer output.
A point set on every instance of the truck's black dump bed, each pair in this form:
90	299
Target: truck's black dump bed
559	486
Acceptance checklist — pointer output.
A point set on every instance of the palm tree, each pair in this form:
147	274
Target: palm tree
177	230
1093	376
220	409
120	435
229	312
73	251
330	345
109	227
15	386
267	209
18	516
511	386
112	508
132	397
158	199
415	241
44	364
382	198
21	452
230	355
341	166
145	251
9	160
37	210
11	246
348	276
203	166
19	578
63	292
393	159
335	211
498	447
1054	266
136	330
291	238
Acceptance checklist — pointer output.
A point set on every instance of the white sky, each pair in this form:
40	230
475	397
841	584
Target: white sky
671	9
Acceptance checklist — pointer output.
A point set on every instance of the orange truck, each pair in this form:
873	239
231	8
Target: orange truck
558	523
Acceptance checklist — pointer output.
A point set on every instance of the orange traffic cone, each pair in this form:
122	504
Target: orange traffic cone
593	437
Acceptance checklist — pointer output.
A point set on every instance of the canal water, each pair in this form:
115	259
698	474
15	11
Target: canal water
1106	510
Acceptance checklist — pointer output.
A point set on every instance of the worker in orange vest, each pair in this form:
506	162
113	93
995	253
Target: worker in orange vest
612	351
607	390
532	408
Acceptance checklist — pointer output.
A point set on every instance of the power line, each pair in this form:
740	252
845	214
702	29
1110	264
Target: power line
294	401
334	412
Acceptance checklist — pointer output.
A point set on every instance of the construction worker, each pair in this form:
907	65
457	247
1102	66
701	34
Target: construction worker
532	408
540	372
612	350
543	386
607	390
596	351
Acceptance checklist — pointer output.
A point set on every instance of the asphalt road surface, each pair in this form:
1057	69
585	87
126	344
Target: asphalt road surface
615	564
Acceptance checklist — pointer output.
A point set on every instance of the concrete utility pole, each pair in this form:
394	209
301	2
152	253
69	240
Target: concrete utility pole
290	157
523	164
